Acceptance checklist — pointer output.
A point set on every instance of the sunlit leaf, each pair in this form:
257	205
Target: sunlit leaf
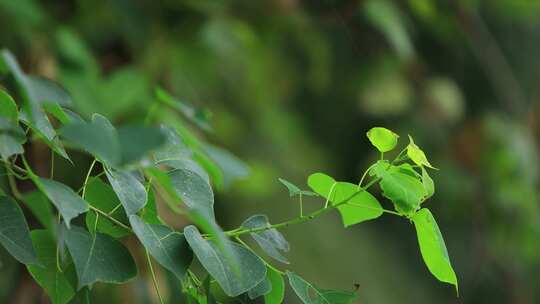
433	248
417	155
47	275
295	190
271	241
276	294
8	108
167	246
14	232
383	139
98	258
233	280
428	183
310	294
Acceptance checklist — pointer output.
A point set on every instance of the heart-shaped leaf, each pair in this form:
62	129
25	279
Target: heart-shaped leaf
383	139
271	241
100	258
128	188
311	294
14	232
277	293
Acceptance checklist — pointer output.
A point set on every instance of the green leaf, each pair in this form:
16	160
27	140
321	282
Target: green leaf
277	293
128	188
194	191
417	155
11	145
231	166
263	288
310	294
103	197
295	190
271	241
197	116
234	280
8	108
98	138
361	206
428	183
68	203
150	213
147	139
14	232
383	139
47	275
98	259
433	248
40	207
57	111
45	91
404	190
167	246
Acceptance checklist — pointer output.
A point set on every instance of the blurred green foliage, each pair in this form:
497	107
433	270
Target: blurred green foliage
293	86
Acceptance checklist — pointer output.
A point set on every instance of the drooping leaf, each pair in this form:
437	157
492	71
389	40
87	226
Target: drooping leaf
103	197
263	288
11	135
11	144
194	191
417	155
14	232
361	205
231	166
97	137
56	283
295	190
167	246
128	188
98	259
138	141
310	294
428	183
68	203
404	190
40	207
383	139
433	248
276	294
46	91
271	241
234	280
199	117
150	213
57	111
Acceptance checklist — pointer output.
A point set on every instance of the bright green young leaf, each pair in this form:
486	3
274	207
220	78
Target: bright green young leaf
428	183
404	190
383	139
276	294
97	137
271	241
167	246
233	280
56	283
194	191
8	108
98	259
103	197
14	232
128	188
433	248
295	190
263	288
417	155
40	207
361	206
68	203
310	294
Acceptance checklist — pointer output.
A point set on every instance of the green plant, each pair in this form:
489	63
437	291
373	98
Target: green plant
134	164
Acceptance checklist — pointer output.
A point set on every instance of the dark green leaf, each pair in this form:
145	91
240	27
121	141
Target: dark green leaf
47	275
310	294
263	288
40	206
98	259
234	280
14	232
194	191
138	141
433	248
128	188
231	166
271	241
8	108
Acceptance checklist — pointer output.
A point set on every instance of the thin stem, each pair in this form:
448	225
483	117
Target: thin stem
58	251
112	219
364	175
52	164
95	176
13	187
329	195
88	177
265	262
301	206
154	280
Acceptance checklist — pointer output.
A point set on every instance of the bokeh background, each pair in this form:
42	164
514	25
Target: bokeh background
293	87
